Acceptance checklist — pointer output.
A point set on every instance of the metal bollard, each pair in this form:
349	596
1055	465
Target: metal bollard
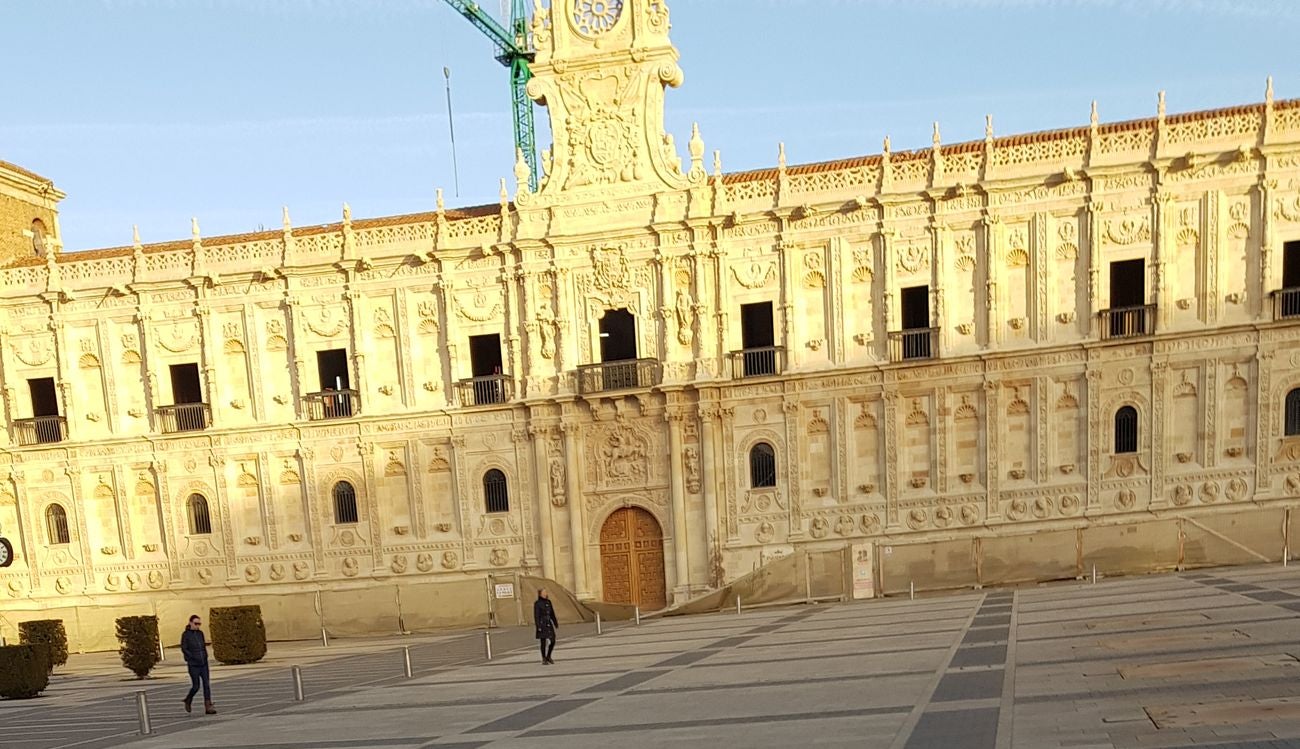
324	638
1094	574
487	644
911	590
297	683
637	612
737	605
598	627
406	658
142	709
162	651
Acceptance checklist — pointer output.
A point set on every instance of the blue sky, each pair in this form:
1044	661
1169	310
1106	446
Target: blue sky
151	111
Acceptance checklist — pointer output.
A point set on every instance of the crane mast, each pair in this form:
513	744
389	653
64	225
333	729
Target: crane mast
515	51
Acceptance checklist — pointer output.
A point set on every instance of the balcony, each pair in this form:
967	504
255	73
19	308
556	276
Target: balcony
331	404
914	343
183	417
619	375
1286	304
1128	322
487	390
757	362
41	430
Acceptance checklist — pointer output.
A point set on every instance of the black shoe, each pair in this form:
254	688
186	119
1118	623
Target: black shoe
550	661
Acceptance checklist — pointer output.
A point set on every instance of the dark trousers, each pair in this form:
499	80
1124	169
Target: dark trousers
199	674
548	647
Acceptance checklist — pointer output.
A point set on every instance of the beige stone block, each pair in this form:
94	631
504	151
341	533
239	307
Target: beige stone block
1129	549
1049	555
933	566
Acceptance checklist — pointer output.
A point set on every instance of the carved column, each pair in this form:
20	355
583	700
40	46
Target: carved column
63	370
298	374
836	280
108	377
1042	284
528	500
1210	447
1094	431
1162	220
938	314
1159	419
77	512
1267	285
360	345
461	489
1094	268
1210	299
709	486
510	281
543	488
993	271
405	358
992	448
890	281
253	340
1263	420
677	487
890	476
308	490
170	532
577	538
209	347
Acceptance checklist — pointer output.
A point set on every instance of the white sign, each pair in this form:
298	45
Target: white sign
864	577
505	590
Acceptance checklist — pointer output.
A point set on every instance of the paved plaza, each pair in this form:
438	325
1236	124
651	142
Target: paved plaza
1195	659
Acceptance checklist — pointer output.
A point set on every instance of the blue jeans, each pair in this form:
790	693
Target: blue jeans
199	674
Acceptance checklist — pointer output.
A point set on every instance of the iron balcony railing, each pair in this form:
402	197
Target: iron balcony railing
1128	322
332	404
757	362
41	430
486	390
619	375
1286	304
183	417
913	343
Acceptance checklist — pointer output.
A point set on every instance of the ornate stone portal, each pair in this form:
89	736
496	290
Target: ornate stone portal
1030	395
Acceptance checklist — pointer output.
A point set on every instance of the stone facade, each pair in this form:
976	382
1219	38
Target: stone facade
995	415
28	215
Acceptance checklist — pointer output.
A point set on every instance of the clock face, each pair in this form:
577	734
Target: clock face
6	552
595	17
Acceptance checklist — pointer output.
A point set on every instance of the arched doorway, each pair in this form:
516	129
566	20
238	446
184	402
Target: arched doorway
632	559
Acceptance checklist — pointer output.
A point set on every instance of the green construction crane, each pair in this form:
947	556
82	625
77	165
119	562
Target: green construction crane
515	51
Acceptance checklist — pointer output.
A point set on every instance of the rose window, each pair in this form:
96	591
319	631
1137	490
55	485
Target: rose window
595	17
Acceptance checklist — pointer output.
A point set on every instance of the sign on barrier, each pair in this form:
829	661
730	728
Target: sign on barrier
864	579
505	590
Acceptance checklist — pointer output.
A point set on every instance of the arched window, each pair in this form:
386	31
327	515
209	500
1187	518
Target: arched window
345	503
1293	413
1126	430
38	238
56	525
200	520
762	466
496	495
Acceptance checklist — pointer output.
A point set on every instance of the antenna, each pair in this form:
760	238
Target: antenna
451	127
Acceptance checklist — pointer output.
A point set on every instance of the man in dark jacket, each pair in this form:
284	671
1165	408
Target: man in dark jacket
544	618
195	649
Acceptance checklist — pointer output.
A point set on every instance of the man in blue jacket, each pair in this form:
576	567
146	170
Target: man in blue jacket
195	649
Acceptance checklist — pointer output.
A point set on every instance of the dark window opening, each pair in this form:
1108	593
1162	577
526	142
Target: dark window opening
200	519
1128	283
762	466
758	340
345	504
185	384
1293	413
1291	265
45	399
56	525
496	495
916	307
617	336
486	369
45	425
335	384
1126	430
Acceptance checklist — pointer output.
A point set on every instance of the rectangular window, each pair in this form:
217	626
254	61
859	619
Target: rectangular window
1128	283
485	355
332	365
758	340
916	307
45	399
1291	265
185	384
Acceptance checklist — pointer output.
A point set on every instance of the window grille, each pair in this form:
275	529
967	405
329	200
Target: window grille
496	494
200	519
762	466
56	525
1126	430
345	503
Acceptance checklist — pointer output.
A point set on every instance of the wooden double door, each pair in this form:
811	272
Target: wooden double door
632	559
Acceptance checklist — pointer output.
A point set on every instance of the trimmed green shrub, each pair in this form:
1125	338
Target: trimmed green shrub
24	670
50	632
138	636
238	634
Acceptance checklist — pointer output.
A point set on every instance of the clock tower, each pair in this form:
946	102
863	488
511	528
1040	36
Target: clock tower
601	70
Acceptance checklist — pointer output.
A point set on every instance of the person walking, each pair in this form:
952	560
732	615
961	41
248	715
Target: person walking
195	649
544	619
